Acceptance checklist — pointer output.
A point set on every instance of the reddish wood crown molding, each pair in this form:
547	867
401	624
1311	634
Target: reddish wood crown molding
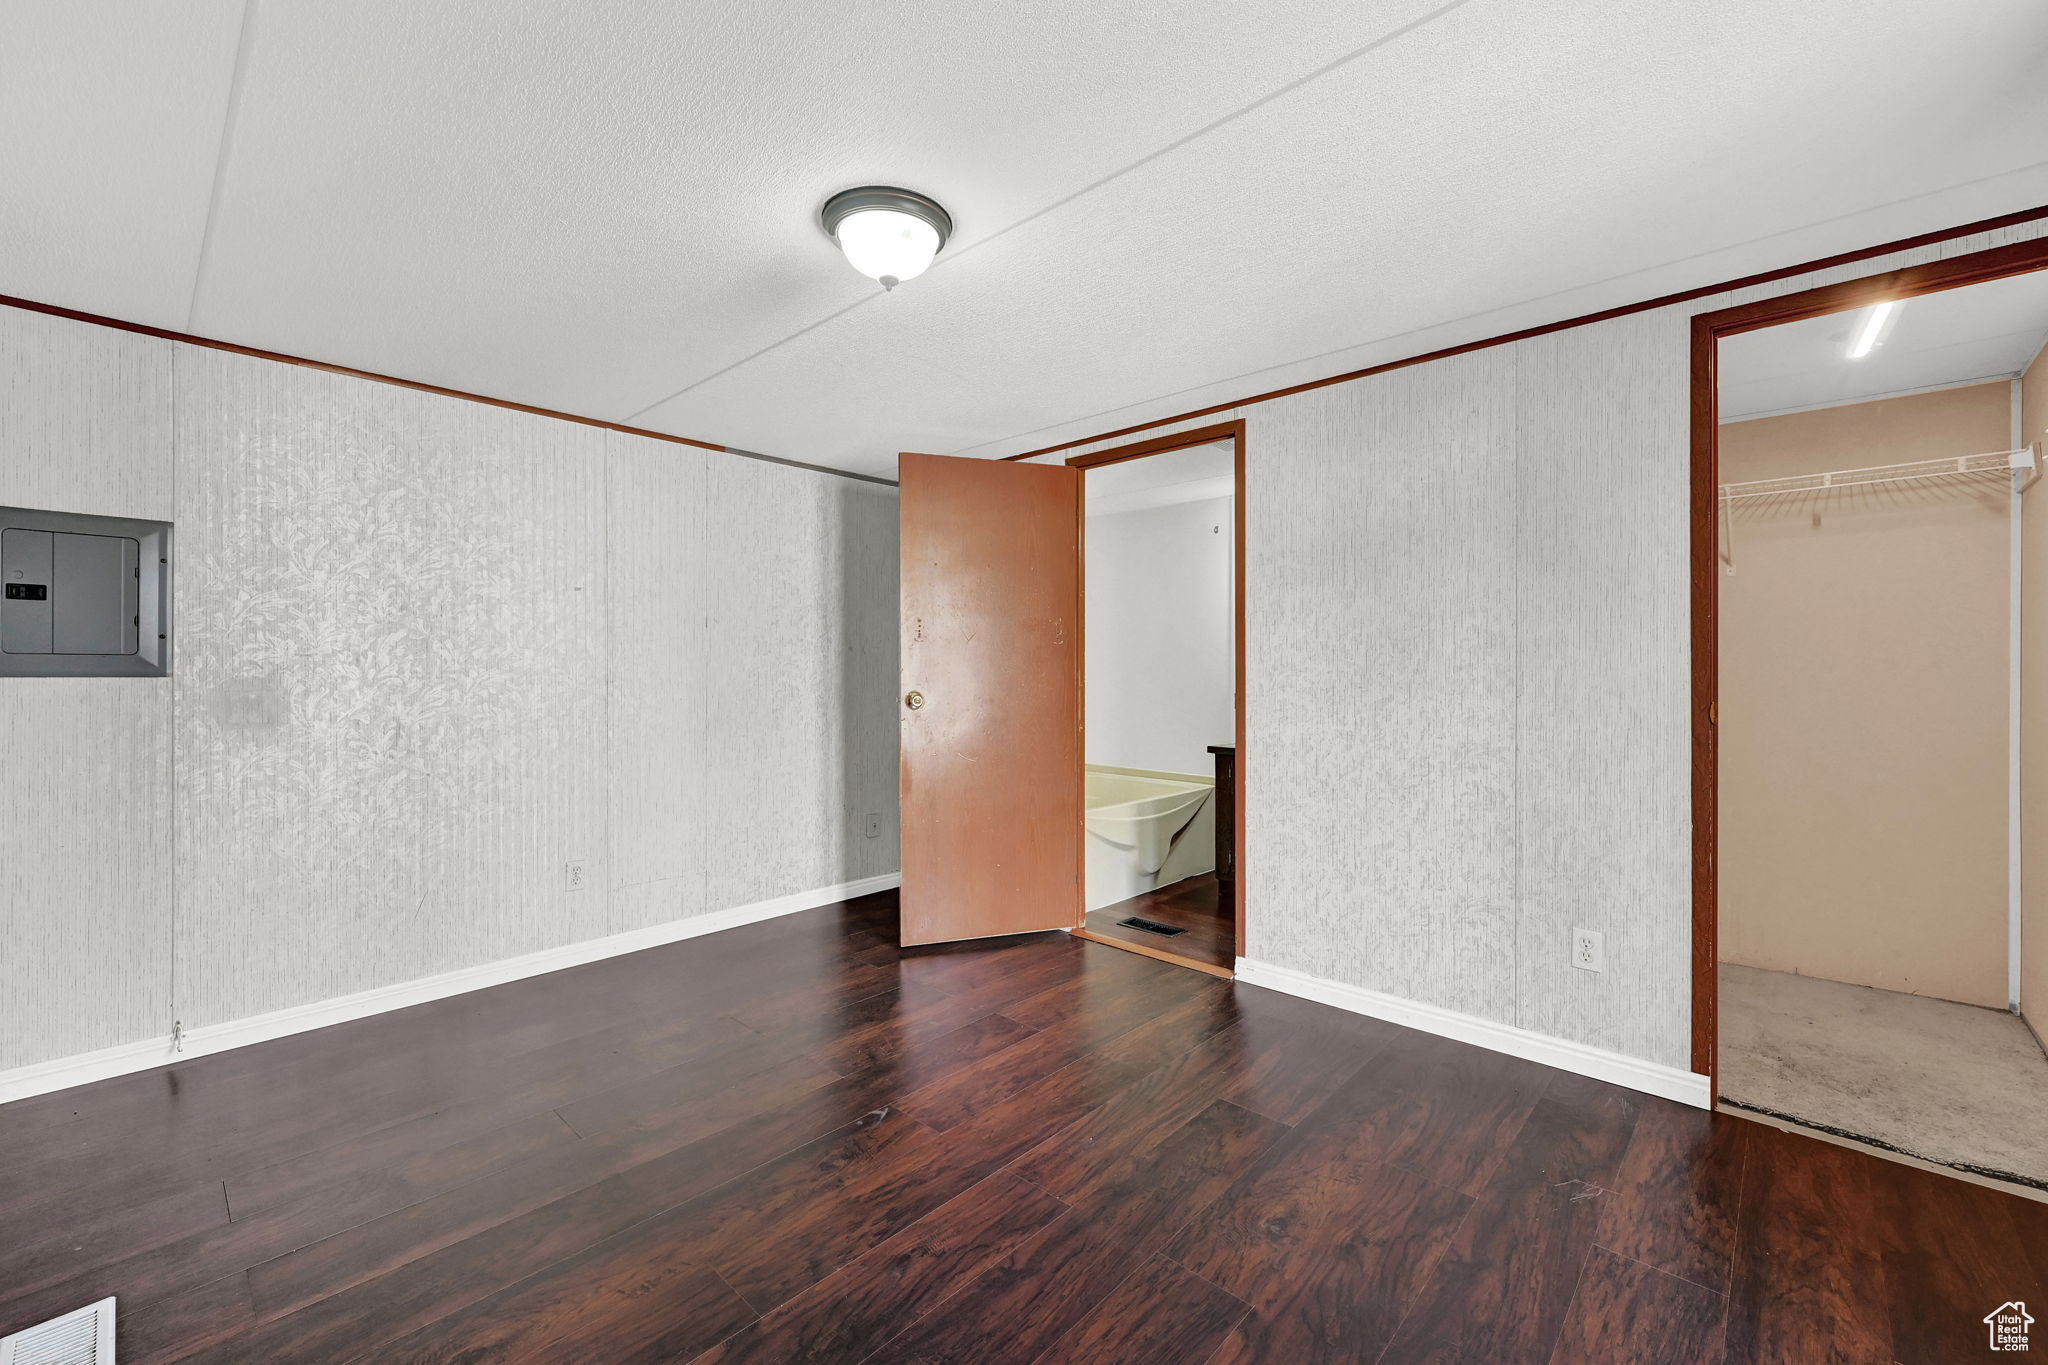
1584	319
210	343
1159	445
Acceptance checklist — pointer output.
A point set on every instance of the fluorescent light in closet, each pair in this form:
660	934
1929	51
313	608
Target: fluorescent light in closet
1873	324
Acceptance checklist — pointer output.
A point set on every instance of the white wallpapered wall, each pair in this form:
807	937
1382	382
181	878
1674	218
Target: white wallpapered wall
1468	675
85	867
1352	721
428	651
1467	693
801	692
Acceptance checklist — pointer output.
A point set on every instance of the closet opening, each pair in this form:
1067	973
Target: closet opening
1871	945
1162	563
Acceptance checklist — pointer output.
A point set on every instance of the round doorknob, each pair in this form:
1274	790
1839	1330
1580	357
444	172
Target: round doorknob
913	700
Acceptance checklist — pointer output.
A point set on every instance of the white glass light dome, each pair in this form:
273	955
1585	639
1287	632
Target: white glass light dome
889	235
887	246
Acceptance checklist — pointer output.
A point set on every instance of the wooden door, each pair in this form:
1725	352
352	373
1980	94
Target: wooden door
991	711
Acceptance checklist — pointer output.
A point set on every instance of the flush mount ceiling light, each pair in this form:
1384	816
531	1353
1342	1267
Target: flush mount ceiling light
888	234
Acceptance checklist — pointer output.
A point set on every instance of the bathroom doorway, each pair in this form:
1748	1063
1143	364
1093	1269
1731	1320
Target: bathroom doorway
1163	666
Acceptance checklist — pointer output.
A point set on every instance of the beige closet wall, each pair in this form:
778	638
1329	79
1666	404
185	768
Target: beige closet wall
2034	713
1863	702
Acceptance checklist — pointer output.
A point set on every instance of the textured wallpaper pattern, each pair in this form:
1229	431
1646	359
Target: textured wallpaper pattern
391	678
1602	724
658	798
802	641
429	651
1394	721
85	845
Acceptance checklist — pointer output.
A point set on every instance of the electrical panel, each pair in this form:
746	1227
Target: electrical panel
84	596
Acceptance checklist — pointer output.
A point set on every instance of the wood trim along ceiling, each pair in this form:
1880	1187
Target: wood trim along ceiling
1979	267
1159	445
165	334
1604	315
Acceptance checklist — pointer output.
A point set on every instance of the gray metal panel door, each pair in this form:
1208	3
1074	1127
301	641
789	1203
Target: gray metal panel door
93	594
25	610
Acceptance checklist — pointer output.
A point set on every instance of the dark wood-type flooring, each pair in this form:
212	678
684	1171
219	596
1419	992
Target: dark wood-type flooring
795	1142
1196	905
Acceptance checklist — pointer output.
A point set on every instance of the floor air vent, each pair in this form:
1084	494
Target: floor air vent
85	1337
1150	926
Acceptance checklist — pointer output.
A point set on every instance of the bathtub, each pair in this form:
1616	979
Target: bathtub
1145	831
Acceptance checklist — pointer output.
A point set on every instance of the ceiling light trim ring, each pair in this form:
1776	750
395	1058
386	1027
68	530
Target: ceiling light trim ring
848	202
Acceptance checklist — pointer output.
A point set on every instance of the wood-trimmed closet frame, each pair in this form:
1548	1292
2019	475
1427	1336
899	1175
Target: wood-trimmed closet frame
1977	267
1138	450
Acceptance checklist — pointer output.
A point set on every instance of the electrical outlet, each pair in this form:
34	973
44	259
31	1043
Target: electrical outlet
1589	950
874	825
573	876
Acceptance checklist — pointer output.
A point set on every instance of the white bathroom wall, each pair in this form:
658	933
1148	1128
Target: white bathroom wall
428	651
1161	662
1467	675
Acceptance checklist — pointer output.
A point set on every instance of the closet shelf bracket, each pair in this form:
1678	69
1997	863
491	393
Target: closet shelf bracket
2026	468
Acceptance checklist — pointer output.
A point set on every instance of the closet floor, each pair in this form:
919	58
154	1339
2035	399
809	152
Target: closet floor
1953	1084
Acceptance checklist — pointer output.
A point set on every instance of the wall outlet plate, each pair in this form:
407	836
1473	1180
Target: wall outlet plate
1589	950
874	827
574	878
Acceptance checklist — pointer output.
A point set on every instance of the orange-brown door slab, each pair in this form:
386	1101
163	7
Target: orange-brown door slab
991	711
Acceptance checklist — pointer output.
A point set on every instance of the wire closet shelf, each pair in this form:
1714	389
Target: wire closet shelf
1990	462
2020	465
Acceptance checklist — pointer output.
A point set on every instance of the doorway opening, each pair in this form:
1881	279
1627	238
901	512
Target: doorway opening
1872	957
1162	564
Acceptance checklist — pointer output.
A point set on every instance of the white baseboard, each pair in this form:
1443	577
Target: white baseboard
64	1072
1652	1078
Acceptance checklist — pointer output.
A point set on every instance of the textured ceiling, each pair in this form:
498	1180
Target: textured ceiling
610	209
1987	331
